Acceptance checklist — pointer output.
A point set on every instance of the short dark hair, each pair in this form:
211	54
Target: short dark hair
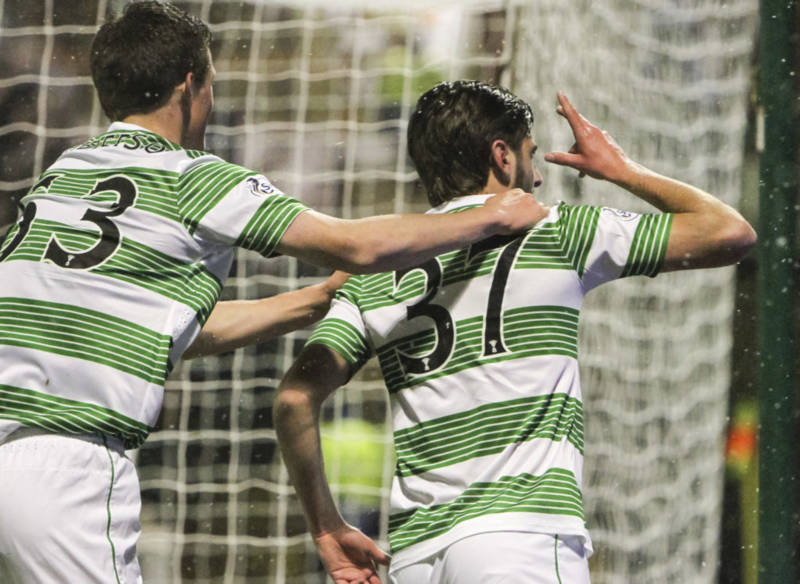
451	131
138	59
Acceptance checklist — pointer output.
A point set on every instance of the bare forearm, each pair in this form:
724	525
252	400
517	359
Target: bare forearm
387	242
390	242
396	242
296	423
670	195
238	323
706	231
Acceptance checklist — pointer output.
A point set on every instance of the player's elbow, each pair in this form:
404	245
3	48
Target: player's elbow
736	238
288	403
708	240
366	258
352	249
371	253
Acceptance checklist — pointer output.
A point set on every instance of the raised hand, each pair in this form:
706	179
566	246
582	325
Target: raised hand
350	556
594	152
516	209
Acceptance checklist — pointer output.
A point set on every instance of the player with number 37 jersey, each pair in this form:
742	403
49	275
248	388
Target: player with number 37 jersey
478	349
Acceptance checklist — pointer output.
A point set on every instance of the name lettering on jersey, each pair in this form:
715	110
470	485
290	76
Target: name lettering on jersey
150	143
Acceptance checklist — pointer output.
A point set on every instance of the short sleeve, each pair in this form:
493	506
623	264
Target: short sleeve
234	206
343	330
625	244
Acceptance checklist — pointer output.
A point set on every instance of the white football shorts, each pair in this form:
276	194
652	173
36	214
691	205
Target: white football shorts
502	557
69	510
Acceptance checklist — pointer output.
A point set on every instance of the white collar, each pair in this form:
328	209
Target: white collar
458	202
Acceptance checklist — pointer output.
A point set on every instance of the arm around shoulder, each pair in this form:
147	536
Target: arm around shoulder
389	242
238	323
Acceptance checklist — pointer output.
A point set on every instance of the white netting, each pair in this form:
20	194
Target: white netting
670	81
318	98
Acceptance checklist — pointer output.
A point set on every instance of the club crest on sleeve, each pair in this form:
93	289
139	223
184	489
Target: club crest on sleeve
624	215
260	186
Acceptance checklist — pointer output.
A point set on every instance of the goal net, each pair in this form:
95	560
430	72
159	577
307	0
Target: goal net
670	81
318	98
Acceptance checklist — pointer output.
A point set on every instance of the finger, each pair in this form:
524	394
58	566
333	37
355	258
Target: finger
340	275
358	578
580	117
337	279
579	124
563	158
515	196
379	556
566	106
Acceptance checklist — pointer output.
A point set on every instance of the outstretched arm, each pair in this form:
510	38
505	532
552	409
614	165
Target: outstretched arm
390	242
237	323
705	231
349	556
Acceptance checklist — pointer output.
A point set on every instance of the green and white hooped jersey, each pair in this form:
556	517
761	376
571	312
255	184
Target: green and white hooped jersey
478	348
116	262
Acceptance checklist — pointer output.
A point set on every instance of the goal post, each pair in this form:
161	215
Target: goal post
319	98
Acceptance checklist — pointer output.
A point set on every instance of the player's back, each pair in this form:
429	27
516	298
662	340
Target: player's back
476	310
478	349
99	280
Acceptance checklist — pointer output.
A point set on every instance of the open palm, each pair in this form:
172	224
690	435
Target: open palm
350	556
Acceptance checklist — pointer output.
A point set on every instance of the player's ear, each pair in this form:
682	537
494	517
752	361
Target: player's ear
500	161
188	82
500	153
184	89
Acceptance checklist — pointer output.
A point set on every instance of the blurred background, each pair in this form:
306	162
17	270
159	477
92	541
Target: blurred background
318	97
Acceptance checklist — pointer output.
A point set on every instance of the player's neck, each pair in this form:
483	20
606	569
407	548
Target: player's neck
493	186
165	121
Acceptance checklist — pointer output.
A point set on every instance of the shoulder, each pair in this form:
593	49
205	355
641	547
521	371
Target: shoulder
192	160
208	171
358	284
